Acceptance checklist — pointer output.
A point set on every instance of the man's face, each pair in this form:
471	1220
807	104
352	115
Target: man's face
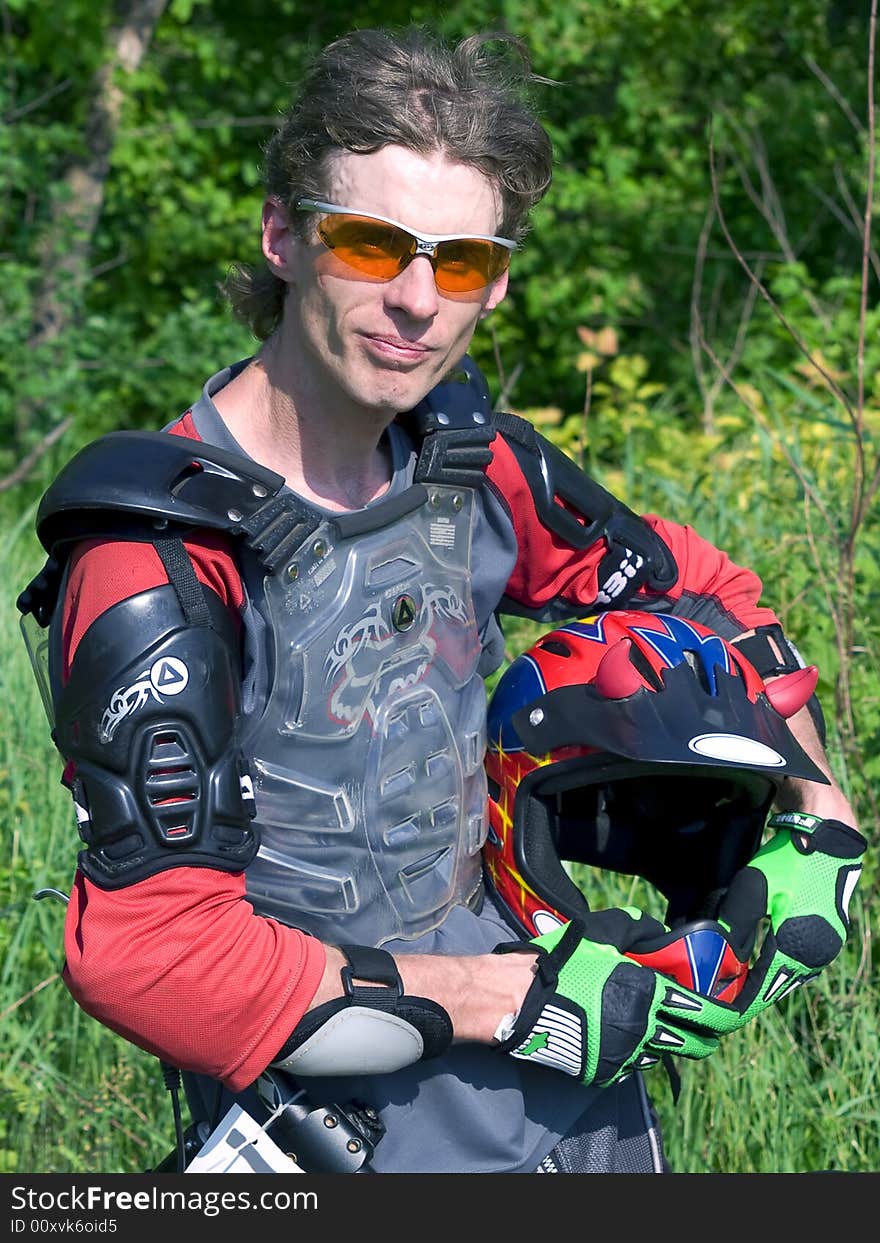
373	344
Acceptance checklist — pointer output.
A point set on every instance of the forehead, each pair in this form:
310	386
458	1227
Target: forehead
430	193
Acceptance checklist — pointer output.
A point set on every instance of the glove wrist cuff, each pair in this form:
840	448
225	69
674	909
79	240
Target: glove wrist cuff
804	821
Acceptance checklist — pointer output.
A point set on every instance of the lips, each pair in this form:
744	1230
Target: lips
397	348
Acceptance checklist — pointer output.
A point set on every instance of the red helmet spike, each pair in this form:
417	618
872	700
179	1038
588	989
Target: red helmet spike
790	692
615	677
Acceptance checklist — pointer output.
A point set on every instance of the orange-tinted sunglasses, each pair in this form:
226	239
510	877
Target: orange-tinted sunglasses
382	248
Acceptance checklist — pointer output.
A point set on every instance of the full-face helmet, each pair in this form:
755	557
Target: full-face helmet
642	744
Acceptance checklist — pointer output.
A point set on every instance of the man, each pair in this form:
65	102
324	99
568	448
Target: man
315	659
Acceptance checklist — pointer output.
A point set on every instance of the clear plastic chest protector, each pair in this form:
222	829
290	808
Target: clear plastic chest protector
368	759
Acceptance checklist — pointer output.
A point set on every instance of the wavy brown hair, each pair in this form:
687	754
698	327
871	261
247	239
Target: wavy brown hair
408	87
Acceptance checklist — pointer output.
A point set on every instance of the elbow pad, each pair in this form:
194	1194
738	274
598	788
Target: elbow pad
149	717
374	1029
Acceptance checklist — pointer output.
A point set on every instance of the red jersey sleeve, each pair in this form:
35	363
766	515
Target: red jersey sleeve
179	964
549	570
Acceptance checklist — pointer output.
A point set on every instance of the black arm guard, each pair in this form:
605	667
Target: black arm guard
149	717
636	556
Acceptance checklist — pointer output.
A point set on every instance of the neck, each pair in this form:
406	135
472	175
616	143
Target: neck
331	453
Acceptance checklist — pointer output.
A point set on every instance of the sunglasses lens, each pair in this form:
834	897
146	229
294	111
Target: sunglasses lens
469	264
369	246
382	251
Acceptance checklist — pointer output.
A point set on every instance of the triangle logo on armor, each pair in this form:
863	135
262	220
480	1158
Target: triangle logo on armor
404	613
169	675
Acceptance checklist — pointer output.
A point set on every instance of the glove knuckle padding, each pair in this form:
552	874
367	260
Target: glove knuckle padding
809	940
626	1010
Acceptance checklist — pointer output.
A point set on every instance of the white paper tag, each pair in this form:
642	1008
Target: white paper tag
505	1028
239	1145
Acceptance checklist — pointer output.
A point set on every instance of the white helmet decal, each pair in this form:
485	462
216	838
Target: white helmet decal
736	750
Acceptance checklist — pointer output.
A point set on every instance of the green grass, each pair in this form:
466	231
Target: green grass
74	1097
797	1091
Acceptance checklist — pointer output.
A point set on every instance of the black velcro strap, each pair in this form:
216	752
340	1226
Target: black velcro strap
374	965
566	946
762	654
672	1073
182	576
516	428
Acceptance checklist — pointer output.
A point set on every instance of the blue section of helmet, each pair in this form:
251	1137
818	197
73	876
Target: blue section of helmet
521	684
678	637
705	951
592	629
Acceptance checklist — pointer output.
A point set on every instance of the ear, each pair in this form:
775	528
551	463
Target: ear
497	290
276	237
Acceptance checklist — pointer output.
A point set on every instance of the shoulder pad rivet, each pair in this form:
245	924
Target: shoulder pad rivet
457	502
259	490
536	716
442	417
293	572
160	523
233	515
479	417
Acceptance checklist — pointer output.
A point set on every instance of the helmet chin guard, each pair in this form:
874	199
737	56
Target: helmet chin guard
637	743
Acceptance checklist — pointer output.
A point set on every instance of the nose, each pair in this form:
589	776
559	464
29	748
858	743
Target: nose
414	291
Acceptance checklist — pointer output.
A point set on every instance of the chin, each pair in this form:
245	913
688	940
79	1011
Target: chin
395	391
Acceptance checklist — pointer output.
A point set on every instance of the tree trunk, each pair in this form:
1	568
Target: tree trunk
76	212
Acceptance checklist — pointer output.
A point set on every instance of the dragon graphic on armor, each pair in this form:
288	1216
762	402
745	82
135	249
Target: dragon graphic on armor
360	680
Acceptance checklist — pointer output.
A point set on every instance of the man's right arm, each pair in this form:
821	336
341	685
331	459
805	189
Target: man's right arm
177	961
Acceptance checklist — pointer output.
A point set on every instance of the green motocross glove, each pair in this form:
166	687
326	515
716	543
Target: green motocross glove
802	879
597	1015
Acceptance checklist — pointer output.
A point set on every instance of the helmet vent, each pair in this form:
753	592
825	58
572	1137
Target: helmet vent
699	669
642	665
556	646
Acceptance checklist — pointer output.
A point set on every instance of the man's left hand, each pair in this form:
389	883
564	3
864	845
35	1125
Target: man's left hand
802	880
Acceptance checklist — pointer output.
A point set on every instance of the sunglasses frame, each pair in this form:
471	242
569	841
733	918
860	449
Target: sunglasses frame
426	243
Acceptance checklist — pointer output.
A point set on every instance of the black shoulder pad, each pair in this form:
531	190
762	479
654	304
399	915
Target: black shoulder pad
636	555
460	400
454	424
131	485
149	717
